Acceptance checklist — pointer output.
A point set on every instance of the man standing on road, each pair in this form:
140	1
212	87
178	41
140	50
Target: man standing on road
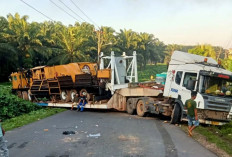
82	101
191	105
3	146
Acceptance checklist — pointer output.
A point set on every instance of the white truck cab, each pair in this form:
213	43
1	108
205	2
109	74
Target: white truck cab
189	72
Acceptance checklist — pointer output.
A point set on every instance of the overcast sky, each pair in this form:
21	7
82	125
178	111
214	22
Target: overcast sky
186	22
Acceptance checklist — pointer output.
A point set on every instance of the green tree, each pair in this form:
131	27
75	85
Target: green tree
24	37
105	40
204	50
169	51
150	48
227	63
73	43
127	41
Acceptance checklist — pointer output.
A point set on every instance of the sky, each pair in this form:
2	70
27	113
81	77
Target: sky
185	22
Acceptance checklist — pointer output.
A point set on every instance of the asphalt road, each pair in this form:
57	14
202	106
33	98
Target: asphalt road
102	134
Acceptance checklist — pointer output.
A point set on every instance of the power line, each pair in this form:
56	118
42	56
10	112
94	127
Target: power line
37	10
64	10
84	13
71	10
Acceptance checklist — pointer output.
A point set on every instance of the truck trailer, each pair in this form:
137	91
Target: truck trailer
118	88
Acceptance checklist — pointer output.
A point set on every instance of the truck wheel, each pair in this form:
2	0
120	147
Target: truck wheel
65	96
87	94
140	108
175	117
130	107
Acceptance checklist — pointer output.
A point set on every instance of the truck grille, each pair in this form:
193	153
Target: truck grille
219	106
212	115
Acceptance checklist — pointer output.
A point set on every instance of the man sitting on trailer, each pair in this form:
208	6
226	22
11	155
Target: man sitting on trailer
82	102
190	105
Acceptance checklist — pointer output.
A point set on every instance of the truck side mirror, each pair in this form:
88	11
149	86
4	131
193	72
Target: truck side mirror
190	84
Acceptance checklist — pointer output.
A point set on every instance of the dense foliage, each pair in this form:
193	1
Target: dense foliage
33	116
220	135
12	106
25	45
151	70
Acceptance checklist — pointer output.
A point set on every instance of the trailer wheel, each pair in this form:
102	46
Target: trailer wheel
87	94
130	106
175	117
65	96
140	108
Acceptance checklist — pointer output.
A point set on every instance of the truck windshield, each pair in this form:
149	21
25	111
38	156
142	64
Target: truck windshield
215	86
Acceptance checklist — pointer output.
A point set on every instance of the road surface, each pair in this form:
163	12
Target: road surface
102	134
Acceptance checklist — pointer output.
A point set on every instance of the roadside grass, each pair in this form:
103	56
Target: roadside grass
221	136
28	118
16	112
5	83
145	74
213	134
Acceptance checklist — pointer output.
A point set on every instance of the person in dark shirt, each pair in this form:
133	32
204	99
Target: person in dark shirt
82	102
191	105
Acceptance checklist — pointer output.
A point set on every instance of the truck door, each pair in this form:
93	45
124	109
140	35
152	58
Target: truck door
172	85
185	93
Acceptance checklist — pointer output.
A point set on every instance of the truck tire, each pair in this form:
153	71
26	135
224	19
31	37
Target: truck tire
175	117
140	108
65	96
130	106
87	94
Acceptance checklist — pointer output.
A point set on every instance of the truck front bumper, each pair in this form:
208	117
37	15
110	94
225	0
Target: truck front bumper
210	122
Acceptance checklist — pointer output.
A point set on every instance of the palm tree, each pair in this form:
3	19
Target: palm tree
105	39
72	44
169	51
25	38
204	50
127	40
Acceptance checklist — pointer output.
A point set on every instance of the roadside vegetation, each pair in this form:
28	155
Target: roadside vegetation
16	112
214	138
220	135
30	117
13	106
26	44
151	70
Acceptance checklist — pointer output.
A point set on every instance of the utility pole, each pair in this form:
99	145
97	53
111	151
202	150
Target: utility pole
99	43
